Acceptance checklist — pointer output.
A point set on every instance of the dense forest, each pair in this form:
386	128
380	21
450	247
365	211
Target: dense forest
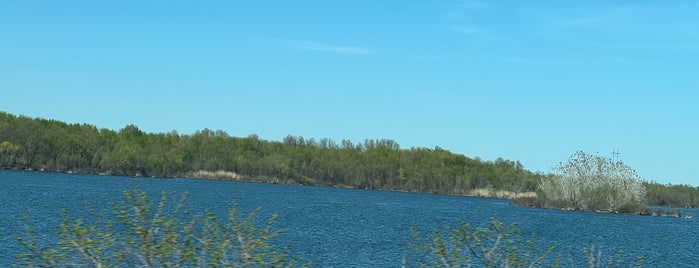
677	195
51	145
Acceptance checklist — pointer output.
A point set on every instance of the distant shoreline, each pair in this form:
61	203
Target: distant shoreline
232	176
515	199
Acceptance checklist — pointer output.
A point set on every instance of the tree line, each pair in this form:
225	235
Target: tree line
672	195
51	145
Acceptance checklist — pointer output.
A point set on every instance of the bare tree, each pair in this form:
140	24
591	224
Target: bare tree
590	182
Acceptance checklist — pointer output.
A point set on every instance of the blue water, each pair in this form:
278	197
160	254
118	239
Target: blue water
345	227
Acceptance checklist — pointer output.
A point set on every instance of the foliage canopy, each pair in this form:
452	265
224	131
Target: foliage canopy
40	144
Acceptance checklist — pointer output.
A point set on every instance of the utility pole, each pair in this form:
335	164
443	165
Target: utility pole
615	155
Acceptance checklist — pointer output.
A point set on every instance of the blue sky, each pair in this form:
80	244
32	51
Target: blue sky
532	81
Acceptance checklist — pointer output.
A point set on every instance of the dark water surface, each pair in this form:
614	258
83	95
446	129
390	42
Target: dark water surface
345	227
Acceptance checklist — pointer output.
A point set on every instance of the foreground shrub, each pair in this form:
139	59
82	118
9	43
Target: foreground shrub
499	245
138	232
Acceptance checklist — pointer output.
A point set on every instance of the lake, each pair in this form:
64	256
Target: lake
337	227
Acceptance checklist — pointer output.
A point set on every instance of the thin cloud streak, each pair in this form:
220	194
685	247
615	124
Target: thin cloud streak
466	29
610	17
646	46
318	46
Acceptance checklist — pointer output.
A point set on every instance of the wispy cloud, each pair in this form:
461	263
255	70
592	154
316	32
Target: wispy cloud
467	29
611	17
318	46
528	61
632	27
645	45
432	58
464	11
471	4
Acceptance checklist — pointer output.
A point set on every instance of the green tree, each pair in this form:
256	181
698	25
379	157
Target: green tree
8	153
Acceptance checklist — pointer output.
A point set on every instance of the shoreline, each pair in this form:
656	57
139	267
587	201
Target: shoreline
232	176
512	197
